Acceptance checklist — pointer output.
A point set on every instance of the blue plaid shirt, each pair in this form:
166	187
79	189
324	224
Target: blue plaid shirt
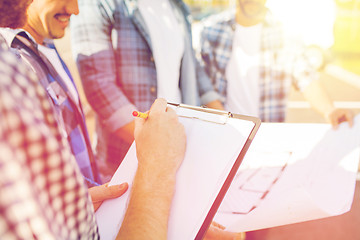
112	46
73	125
282	62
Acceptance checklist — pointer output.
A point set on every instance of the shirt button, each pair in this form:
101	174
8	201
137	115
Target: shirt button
152	59
152	89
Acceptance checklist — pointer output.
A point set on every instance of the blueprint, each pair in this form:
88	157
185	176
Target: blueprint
293	173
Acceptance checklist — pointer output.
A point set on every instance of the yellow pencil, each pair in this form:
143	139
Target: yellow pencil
140	114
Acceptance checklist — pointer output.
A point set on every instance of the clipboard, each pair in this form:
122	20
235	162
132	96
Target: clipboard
217	142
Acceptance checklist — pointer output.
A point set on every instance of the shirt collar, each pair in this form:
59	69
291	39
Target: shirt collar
131	6
10	34
49	43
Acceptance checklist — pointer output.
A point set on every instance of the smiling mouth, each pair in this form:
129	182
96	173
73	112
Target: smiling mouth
63	18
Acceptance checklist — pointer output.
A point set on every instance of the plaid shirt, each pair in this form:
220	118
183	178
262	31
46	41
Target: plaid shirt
114	56
43	195
282	62
73	125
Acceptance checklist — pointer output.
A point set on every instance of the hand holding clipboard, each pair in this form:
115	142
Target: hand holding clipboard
216	144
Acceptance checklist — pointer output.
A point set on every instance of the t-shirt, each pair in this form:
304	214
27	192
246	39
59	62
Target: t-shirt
242	71
167	41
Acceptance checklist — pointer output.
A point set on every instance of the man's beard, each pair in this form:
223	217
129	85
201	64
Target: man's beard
254	14
13	13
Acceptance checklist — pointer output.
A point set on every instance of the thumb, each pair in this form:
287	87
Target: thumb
139	122
104	192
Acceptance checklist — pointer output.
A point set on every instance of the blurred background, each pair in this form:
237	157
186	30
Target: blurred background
331	28
328	23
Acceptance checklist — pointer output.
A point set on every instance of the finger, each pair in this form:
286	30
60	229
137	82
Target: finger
334	121
115	191
350	117
215	224
103	192
170	110
139	122
240	236
171	113
217	233
158	106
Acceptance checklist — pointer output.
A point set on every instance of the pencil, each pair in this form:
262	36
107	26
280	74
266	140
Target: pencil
140	114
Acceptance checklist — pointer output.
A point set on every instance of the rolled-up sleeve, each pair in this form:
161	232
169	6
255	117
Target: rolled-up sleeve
94	54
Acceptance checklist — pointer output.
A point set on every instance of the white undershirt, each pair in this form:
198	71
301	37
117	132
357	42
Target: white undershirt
167	44
55	61
242	71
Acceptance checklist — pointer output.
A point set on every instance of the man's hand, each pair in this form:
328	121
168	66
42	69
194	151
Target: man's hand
215	105
160	148
320	101
216	231
337	116
104	192
160	140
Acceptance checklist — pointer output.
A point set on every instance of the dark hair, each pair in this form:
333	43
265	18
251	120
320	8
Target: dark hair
13	13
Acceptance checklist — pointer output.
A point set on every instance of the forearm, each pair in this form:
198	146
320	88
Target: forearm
95	57
127	132
160	149
149	207
318	98
320	101
101	87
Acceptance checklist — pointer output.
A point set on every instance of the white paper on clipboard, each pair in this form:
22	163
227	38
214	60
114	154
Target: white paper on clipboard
215	139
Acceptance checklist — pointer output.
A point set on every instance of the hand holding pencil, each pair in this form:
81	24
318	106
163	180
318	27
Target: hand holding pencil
140	114
160	139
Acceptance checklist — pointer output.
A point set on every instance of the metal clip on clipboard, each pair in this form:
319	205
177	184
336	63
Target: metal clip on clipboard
219	117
